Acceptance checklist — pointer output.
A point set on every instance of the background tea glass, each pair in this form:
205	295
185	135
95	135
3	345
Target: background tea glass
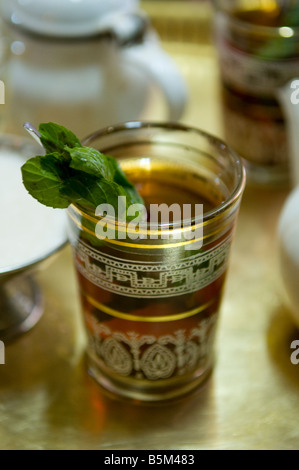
258	47
151	304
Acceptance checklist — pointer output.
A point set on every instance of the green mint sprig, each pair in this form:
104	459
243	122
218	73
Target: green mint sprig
278	46
70	173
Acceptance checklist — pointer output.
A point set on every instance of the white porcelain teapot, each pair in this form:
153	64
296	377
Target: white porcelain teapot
87	64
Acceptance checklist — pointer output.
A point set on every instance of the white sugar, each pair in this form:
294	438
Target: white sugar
29	231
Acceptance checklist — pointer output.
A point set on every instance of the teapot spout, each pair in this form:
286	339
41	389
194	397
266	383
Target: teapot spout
288	96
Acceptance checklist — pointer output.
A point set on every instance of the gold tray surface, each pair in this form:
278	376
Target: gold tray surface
47	399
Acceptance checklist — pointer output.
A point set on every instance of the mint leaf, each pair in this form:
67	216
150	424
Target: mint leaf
53	163
132	196
290	15
84	191
70	173
113	191
43	181
120	178
55	137
90	192
118	174
90	161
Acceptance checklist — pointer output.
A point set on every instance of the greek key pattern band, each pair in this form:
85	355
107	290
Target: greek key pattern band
152	279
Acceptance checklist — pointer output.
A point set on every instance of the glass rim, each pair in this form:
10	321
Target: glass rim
257	29
240	171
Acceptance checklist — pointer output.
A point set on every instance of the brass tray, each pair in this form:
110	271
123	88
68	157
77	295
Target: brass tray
47	399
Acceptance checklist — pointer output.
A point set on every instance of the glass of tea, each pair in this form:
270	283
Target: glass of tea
258	48
151	288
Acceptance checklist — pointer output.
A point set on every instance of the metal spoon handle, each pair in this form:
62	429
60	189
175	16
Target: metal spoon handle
33	132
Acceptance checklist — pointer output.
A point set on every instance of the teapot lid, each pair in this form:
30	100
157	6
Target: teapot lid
63	18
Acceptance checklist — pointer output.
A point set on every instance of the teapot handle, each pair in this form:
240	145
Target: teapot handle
151	58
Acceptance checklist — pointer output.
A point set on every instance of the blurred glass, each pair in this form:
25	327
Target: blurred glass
258	46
